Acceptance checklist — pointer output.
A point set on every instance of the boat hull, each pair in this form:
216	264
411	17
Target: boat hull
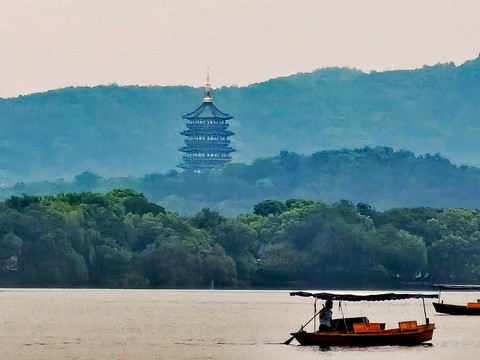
455	309
384	337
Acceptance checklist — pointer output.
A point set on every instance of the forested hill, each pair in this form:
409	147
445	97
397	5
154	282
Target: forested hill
121	131
119	239
379	177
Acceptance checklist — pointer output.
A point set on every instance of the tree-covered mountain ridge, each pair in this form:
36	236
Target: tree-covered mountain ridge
380	177
133	130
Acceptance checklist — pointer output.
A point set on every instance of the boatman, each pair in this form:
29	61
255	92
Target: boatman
326	317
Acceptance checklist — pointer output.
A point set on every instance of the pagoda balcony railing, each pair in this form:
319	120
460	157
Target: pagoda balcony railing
201	156
211	155
207	137
201	161
206	121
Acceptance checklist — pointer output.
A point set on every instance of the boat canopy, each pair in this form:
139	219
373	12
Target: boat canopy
374	297
457	287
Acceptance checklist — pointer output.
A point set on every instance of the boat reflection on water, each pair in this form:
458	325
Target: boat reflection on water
358	331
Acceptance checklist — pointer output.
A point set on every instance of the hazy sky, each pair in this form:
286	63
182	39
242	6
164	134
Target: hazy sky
50	44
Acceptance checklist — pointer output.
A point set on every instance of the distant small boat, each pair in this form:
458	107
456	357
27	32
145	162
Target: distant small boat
472	308
359	331
457	309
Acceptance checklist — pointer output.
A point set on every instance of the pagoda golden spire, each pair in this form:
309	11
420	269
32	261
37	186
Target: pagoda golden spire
208	88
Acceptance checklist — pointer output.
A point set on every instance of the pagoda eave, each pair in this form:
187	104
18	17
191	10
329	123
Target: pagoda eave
214	145
207	111
208	132
204	150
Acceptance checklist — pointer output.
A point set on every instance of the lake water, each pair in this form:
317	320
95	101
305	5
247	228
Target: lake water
211	324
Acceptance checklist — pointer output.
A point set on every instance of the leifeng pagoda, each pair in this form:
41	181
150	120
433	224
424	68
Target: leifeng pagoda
207	144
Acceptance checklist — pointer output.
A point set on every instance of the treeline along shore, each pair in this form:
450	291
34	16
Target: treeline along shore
119	239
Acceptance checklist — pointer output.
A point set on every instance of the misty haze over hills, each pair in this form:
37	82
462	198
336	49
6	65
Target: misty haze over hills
121	131
379	177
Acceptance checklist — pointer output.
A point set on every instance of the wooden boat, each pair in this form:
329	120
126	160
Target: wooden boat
472	308
469	309
359	331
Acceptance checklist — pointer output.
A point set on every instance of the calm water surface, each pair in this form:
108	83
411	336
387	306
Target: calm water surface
211	324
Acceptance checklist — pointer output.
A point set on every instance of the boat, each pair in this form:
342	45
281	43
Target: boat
472	308
359	331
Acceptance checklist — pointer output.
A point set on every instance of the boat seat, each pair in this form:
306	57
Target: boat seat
408	326
367	328
473	305
347	323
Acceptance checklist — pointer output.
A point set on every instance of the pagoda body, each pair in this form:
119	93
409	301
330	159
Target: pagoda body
207	144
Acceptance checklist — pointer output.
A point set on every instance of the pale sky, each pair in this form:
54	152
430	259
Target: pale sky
51	44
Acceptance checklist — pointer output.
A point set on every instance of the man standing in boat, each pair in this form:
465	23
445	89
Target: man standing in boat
326	317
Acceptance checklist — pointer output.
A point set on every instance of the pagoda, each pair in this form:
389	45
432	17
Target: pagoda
207	144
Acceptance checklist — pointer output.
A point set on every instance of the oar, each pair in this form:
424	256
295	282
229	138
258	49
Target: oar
308	322
289	341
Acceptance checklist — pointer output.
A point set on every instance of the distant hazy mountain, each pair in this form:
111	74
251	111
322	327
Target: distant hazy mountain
121	131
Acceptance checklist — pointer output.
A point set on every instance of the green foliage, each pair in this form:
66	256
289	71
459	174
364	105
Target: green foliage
267	207
141	206
207	219
119	239
10	245
377	177
397	251
87	181
20	203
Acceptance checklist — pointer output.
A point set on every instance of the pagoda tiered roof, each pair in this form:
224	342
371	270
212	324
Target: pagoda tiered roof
192	146
207	110
207	131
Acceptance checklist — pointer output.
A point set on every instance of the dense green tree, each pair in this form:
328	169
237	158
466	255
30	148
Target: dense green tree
10	245
87	181
20	203
397	251
92	239
267	207
208	219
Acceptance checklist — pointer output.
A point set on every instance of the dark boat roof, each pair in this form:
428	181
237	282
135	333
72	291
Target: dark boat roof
457	287
373	297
